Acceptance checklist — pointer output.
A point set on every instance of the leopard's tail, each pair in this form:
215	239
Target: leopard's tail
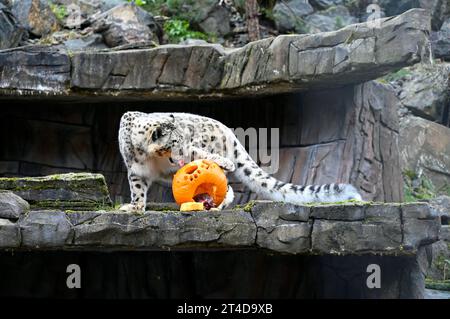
268	187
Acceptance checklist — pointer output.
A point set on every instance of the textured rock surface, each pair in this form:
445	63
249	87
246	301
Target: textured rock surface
36	16
64	191
425	150
288	14
334	18
351	55
10	31
440	41
126	24
348	229
211	17
424	90
40	69
11	205
438	8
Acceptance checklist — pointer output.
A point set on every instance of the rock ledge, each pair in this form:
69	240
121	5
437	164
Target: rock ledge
347	229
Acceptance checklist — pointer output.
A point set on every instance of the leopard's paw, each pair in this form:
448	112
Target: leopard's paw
132	208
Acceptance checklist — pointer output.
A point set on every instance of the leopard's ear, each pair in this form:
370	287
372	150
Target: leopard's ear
157	133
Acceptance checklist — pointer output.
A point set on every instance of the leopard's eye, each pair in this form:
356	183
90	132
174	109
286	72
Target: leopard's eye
157	133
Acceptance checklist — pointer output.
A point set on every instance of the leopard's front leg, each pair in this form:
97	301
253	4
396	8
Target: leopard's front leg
138	188
223	162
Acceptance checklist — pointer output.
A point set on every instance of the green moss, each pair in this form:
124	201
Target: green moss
442	263
346	202
437	284
60	11
79	181
339	23
248	208
417	188
178	30
395	76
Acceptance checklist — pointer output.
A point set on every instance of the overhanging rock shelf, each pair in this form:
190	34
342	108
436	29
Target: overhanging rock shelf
287	63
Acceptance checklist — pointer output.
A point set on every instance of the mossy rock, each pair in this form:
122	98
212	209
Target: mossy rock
438	285
75	191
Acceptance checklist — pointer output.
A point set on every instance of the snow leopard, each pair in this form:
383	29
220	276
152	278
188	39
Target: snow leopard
155	145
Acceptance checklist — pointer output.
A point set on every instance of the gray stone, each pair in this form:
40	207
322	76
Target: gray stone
445	233
325	4
45	229
164	229
279	227
78	12
109	4
126	24
424	90
439	9
94	41
288	15
288	63
72	191
9	234
211	18
420	226
173	67
442	205
346	212
11	205
331	19
282	227
440	43
36	68
424	150
36	16
379	231
10	31
330	59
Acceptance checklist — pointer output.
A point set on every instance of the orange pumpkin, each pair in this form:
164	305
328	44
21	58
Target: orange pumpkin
199	177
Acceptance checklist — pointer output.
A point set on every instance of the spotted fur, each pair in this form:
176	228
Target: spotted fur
152	145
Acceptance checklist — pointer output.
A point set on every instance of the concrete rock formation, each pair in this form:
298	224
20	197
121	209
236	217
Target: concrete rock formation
344	229
11	205
36	16
10	31
63	191
351	55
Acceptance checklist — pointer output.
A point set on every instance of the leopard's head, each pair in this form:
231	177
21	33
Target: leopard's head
164	137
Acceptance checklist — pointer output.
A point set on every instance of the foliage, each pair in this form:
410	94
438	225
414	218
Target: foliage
442	263
438	285
395	76
139	2
417	187
60	11
339	23
179	30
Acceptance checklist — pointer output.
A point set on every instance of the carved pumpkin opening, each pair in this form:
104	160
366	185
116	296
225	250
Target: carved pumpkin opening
198	180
